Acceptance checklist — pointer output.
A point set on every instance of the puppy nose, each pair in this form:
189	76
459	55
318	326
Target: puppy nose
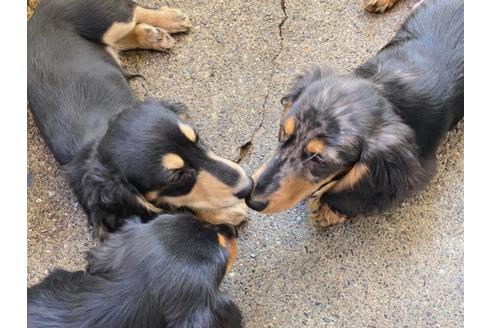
246	190
255	204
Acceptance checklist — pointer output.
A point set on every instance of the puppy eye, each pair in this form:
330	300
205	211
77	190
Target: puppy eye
180	175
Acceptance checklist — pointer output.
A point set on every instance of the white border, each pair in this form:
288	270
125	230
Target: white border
478	129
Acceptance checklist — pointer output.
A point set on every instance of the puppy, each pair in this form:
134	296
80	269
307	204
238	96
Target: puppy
165	273
358	142
123	157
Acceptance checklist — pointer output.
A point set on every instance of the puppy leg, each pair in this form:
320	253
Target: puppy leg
234	215
378	6
137	31
145	36
322	216
170	19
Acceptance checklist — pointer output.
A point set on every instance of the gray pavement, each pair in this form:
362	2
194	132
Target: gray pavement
402	268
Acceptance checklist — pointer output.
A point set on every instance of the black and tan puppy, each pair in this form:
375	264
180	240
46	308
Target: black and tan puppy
358	142
162	274
123	157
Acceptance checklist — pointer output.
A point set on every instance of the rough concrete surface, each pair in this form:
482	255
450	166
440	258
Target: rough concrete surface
402	268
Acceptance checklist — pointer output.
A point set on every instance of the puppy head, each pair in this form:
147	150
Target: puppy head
328	126
179	239
163	158
175	262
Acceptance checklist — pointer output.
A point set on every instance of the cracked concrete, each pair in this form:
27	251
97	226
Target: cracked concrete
401	268
246	149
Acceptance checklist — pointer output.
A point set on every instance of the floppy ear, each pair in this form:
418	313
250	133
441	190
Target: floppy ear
388	170
105	195
311	75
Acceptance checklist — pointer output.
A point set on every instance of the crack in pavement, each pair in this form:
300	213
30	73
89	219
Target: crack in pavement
246	149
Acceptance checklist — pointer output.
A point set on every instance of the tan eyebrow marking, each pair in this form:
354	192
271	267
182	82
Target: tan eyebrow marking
315	146
172	161
188	131
289	126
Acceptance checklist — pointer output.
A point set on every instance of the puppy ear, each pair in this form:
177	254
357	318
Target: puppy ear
311	75
105	195
389	168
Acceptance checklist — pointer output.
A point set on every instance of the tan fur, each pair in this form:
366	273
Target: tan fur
234	215
148	206
324	189
188	131
322	216
378	6
211	199
117	31
231	246
172	161
289	126
170	19
349	180
232	255
145	36
292	190
315	146
207	193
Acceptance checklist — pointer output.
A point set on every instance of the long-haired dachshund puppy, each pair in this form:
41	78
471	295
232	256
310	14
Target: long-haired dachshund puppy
358	142
165	273
123	157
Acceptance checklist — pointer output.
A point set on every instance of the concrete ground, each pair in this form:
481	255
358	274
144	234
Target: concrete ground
403	268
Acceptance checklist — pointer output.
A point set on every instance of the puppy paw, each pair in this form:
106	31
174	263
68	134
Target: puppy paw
378	6
174	20
156	38
324	216
234	215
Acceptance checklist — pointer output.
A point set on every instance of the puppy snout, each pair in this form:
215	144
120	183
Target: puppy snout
256	204
246	190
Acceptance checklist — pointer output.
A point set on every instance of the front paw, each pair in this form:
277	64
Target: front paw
234	215
378	6
323	216
175	20
156	38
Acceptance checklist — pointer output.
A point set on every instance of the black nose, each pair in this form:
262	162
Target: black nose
245	191
257	205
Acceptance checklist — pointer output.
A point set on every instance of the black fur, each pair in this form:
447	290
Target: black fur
389	114
162	274
110	144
